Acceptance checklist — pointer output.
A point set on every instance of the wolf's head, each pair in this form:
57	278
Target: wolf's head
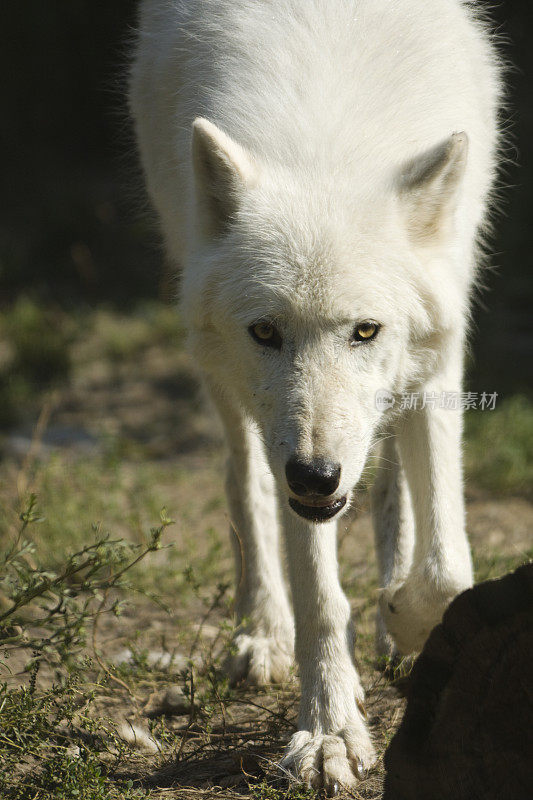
306	297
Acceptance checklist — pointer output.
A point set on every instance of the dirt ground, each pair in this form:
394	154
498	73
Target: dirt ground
166	449
248	737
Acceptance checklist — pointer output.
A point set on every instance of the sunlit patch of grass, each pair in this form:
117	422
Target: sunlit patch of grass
120	338
80	493
499	447
494	565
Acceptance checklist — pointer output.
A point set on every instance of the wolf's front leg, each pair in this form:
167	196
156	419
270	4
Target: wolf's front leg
263	645
430	445
394	530
332	747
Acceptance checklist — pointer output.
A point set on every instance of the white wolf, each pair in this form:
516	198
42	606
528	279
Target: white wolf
321	169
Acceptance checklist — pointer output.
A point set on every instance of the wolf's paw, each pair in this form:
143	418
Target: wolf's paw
395	666
411	610
260	660
330	762
386	649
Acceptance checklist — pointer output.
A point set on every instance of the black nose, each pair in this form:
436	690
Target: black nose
315	477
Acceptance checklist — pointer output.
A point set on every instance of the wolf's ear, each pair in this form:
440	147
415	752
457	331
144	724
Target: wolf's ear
429	187
222	169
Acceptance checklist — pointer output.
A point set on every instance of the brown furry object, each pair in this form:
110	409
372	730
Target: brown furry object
467	733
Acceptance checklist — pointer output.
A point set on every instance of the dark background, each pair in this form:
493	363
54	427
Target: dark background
70	229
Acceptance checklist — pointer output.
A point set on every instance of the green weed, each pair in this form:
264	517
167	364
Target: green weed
49	742
499	447
34	355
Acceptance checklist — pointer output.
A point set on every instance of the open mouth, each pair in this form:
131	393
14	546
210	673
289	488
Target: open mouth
317	513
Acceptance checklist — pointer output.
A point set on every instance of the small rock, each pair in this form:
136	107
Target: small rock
138	738
171	701
124	656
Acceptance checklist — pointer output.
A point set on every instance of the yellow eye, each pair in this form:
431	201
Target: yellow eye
263	331
265	334
365	331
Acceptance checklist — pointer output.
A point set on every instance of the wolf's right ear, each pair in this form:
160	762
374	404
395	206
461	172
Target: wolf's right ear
222	170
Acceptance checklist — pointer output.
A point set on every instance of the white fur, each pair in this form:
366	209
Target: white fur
318	163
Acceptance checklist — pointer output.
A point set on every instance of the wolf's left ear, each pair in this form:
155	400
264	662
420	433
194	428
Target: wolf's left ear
429	185
222	170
